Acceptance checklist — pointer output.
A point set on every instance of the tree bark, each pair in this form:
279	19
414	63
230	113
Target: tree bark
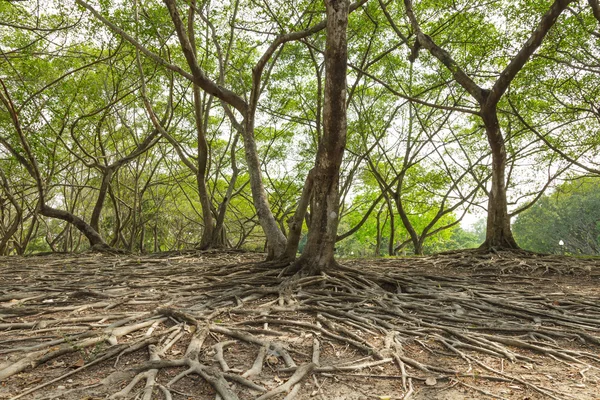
107	175
498	232
318	255
276	241
18	220
96	241
297	220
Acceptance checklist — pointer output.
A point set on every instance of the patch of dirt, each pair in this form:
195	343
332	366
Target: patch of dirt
224	325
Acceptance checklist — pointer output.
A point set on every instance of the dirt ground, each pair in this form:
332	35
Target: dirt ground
224	325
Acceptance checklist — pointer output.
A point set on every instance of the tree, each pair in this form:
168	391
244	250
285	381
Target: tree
570	215
498	234
319	250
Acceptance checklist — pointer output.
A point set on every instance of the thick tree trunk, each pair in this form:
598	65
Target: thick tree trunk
96	241
318	255
498	233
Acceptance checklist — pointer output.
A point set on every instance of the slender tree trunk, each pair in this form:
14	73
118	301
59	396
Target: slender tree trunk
117	223
207	235
318	255
391	244
297	220
18	220
414	236
106	178
378	236
276	241
498	233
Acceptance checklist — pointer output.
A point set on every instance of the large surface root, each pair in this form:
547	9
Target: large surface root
222	325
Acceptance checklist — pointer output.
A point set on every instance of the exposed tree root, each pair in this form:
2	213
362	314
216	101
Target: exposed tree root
247	332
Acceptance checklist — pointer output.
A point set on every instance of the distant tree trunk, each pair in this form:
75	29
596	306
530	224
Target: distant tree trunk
498	232
392	239
208	239
318	255
219	232
378	237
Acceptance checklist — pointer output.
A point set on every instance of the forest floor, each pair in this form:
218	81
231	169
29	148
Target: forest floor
223	325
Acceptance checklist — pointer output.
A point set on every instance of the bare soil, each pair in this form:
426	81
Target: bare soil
225	325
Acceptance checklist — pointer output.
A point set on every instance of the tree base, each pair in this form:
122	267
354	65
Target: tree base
106	249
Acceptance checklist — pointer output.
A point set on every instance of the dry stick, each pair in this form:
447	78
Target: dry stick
333	368
316	350
397	351
244	381
522	381
300	373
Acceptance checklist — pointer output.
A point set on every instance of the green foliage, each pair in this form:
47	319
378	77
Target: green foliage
571	214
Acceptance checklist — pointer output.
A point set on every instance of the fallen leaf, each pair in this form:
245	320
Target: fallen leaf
79	363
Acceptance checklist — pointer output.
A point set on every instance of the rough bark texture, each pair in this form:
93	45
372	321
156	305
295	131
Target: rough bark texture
319	251
498	232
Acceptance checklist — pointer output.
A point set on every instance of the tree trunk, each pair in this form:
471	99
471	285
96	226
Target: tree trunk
106	178
392	239
207	235
18	220
297	220
498	233
319	251
276	241
96	241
